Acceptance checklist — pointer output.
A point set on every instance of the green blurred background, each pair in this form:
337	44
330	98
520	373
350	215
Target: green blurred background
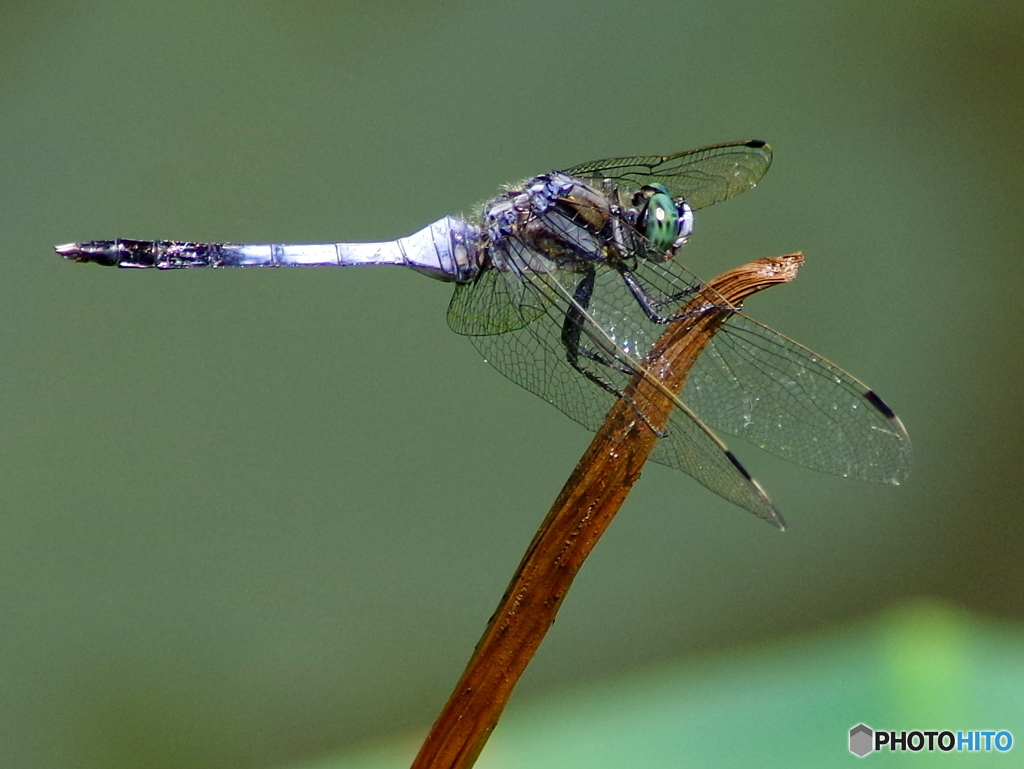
259	518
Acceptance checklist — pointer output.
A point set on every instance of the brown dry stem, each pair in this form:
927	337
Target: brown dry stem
581	513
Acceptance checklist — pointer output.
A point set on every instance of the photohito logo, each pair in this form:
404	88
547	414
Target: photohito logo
864	740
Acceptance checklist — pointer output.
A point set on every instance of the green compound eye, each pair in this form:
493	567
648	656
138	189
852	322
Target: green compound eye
661	219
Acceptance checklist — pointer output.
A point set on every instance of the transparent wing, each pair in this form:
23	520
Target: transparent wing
756	384
703	176
493	305
531	353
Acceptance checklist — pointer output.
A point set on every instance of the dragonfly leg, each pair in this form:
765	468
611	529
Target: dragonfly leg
650	305
572	331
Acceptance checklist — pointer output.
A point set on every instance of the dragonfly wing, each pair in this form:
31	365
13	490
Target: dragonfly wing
686	446
703	176
492	305
533	355
756	384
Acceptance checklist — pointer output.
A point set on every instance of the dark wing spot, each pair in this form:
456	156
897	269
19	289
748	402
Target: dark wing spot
881	405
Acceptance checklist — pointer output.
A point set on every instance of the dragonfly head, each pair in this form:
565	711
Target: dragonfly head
667	223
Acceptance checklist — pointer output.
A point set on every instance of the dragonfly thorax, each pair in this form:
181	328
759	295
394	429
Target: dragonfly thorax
556	221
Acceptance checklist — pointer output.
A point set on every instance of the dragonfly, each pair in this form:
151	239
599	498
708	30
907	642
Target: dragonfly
564	282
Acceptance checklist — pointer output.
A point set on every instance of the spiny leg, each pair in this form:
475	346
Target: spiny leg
572	331
650	305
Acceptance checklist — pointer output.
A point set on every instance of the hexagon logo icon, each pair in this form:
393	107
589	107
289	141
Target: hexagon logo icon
861	740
